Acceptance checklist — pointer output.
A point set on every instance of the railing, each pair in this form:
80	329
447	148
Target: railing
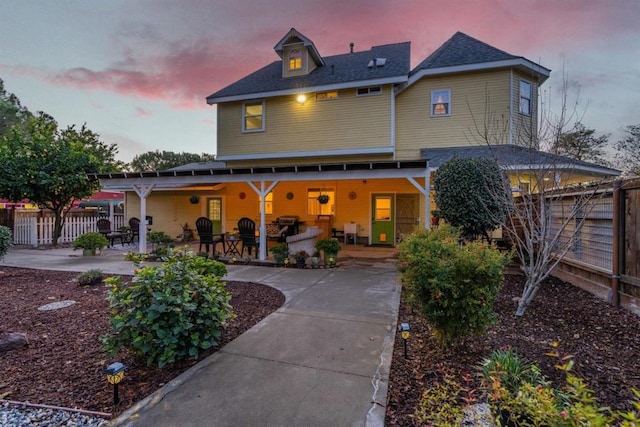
38	230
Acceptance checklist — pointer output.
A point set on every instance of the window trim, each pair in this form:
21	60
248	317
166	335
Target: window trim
244	116
297	60
521	97
432	104
369	90
268	203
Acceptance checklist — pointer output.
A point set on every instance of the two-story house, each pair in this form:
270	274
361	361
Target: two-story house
360	127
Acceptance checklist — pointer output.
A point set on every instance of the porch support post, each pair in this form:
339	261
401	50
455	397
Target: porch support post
143	190
425	192
262	193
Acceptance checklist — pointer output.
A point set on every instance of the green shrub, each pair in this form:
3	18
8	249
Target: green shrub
510	370
280	252
90	277
6	240
453	286
90	240
159	237
171	311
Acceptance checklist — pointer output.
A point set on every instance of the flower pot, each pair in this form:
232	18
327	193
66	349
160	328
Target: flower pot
301	262
315	261
89	252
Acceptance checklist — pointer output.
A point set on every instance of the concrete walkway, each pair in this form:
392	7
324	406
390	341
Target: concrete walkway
322	359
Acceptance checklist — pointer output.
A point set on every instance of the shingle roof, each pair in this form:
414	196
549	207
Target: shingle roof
345	68
507	155
462	49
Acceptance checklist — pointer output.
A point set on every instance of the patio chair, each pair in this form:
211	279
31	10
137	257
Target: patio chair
277	233
104	228
247	233
134	223
204	226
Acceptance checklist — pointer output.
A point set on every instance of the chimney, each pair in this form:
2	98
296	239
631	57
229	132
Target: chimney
351	47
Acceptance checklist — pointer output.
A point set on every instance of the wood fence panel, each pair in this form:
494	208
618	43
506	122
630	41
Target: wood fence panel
632	233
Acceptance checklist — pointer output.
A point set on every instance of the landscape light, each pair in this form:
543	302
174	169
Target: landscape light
404	330
115	374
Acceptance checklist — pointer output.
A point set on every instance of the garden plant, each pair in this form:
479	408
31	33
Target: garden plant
454	286
171	311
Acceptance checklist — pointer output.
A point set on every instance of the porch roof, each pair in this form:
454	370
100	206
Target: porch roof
211	173
514	157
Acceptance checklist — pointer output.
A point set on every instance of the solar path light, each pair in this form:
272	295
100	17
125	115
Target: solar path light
115	374
404	330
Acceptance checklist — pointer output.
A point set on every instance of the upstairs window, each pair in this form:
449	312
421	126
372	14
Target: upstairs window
440	103
295	59
253	116
525	97
373	90
326	95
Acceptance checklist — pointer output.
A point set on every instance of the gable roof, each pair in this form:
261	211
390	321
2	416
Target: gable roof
512	157
464	53
340	71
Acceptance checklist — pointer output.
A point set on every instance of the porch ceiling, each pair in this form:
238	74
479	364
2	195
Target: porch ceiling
172	179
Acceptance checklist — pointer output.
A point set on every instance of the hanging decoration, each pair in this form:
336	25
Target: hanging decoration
323	199
194	199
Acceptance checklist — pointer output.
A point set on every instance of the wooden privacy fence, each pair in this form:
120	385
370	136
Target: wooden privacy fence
35	229
605	256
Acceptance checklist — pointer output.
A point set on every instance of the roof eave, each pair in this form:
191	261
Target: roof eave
521	63
319	88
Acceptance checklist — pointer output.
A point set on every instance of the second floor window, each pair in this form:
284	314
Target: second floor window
440	103
373	90
295	59
253	116
525	97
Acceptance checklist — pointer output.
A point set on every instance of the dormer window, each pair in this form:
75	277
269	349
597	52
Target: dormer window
295	60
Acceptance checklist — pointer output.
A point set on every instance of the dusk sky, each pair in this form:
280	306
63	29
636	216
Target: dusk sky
138	72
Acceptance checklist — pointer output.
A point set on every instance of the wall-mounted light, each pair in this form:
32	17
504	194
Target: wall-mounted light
115	374
302	98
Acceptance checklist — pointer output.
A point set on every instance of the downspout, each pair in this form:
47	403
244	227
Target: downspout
393	121
618	232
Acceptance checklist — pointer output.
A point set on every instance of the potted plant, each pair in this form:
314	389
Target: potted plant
160	241
330	247
315	259
280	252
90	242
301	258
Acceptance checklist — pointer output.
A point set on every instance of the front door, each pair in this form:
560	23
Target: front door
383	221
214	213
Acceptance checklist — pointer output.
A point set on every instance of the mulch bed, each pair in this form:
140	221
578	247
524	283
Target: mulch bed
64	363
604	340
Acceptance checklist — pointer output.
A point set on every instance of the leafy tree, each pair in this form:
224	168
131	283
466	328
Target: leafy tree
464	195
628	150
581	144
163	160
11	111
49	166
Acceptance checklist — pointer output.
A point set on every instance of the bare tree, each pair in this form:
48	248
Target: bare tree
628	150
546	196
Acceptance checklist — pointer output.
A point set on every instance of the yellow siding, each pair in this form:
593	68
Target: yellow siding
524	126
416	129
348	122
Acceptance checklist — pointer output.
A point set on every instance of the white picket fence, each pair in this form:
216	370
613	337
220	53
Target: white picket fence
36	231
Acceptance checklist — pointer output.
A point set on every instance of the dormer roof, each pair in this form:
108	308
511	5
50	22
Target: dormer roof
294	36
